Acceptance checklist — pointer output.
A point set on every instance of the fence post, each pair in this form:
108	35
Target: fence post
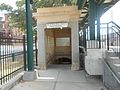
36	52
13	57
24	51
84	38
30	56
107	36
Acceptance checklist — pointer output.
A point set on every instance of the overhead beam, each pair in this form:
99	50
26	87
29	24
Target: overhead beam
100	2
104	7
81	4
84	12
82	23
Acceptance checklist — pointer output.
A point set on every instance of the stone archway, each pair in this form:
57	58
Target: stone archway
54	15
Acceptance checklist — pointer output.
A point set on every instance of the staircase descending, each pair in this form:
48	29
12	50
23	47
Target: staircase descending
112	58
105	60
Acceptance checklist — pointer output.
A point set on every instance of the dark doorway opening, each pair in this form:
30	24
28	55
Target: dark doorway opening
58	45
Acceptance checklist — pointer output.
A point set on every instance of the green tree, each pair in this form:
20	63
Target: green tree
17	19
8	8
17	16
52	3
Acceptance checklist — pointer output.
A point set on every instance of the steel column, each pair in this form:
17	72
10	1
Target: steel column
24	51
92	15
84	38
108	36
98	25
29	37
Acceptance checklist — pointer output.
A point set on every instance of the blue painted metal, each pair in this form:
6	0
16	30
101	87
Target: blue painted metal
29	37
81	3
98	25
92	16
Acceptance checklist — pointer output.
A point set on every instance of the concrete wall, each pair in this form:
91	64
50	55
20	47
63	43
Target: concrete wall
94	61
50	48
63	48
41	45
75	45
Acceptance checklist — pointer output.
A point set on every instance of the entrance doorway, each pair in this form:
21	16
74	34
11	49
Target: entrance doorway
58	45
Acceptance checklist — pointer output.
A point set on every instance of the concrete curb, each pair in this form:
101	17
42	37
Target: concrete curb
12	82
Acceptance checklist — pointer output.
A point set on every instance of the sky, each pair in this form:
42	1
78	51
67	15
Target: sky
10	2
112	14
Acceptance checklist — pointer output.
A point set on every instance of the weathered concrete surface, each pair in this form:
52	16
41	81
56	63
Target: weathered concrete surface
111	71
94	61
75	45
60	77
12	82
30	75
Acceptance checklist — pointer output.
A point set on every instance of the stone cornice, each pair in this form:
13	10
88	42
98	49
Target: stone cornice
57	14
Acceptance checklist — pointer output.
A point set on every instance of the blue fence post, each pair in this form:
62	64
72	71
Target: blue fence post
24	52
107	36
13	57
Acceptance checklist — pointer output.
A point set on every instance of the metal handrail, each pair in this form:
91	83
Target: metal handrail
115	31
114	24
116	36
108	26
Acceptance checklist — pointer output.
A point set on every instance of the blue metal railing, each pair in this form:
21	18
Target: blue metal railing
109	37
113	38
13	57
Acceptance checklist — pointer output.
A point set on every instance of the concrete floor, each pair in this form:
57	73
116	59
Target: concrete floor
60	77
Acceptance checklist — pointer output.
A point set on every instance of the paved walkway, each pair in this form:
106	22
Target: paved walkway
60	77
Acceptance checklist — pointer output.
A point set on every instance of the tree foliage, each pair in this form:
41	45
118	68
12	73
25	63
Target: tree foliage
3	6
17	19
52	3
17	16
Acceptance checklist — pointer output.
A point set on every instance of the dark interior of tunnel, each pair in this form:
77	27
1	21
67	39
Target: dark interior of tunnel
63	60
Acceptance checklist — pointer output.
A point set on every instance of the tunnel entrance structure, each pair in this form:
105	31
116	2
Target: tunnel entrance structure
58	36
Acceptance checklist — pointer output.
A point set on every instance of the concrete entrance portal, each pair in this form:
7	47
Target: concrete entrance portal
58	25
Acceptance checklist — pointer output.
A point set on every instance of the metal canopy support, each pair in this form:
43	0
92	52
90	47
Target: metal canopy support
84	38
99	2
29	37
98	25
82	23
81	3
92	15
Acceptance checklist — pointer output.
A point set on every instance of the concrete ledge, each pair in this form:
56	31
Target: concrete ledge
42	67
12	82
30	75
110	54
113	58
75	66
110	79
